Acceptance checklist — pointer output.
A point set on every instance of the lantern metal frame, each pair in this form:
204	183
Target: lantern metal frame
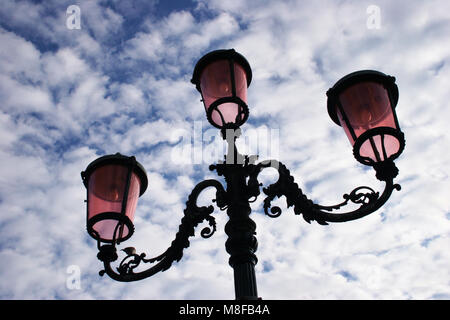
133	166
231	56
242	188
334	103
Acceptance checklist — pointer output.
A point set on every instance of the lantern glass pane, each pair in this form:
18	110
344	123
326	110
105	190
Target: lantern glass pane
391	146
106	193
216	83
367	106
240	78
228	111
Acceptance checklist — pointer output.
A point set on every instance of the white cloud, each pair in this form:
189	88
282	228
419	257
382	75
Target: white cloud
179	22
18	55
64	68
24	97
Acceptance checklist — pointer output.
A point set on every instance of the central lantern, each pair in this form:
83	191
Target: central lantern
222	78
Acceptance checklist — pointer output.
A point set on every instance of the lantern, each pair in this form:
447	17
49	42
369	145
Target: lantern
114	184
363	103
222	78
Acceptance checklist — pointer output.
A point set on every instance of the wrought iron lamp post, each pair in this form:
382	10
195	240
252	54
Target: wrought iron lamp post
363	103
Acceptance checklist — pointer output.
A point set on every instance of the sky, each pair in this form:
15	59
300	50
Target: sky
114	76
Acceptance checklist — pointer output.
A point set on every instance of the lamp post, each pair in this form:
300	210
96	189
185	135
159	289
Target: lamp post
363	103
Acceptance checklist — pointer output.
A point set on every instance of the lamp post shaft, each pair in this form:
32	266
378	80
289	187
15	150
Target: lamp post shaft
241	243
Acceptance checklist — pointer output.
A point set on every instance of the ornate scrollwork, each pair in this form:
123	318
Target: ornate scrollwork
240	192
366	197
356	196
193	216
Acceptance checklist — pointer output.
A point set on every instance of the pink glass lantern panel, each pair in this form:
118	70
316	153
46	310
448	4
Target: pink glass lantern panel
240	78
215	83
106	192
367	106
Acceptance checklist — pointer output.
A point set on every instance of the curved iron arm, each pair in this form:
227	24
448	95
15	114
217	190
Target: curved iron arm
193	215
368	199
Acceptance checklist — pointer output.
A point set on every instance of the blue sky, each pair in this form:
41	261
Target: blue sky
121	83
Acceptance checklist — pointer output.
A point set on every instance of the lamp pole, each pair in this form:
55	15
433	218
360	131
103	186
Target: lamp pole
363	103
240	228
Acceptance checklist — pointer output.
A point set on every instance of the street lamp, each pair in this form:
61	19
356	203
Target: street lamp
363	103
114	184
222	78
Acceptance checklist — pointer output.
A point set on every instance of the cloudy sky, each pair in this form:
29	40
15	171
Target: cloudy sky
120	83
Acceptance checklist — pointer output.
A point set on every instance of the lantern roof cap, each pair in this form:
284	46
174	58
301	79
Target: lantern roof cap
117	159
221	54
357	77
